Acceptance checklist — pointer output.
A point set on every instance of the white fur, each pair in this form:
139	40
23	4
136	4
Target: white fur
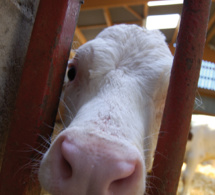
117	96
200	148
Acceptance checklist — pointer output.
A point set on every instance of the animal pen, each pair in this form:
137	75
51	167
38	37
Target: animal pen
46	61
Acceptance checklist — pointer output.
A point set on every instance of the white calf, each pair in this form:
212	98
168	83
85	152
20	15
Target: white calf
114	99
200	148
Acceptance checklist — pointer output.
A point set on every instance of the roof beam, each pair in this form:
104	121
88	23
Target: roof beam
88	27
208	54
80	35
135	14
210	35
145	10
98	4
107	17
174	37
145	14
105	25
211	21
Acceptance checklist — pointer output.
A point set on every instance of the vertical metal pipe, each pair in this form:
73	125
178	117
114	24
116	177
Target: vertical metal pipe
180	98
38	95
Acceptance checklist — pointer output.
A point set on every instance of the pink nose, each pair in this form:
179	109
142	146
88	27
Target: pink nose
97	167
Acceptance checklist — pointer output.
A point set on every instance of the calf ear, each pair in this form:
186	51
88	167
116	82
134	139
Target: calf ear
161	92
160	99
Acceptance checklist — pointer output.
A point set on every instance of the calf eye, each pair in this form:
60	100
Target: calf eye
71	73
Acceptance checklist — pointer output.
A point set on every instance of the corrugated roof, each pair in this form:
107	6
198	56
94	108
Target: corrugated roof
207	76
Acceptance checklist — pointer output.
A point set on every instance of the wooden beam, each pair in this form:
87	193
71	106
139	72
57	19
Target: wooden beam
210	35
99	4
171	48
209	54
145	14
206	92
211	21
80	35
88	27
107	17
174	37
135	14
203	112
145	10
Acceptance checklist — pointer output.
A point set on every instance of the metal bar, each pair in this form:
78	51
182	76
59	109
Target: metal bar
180	98
38	94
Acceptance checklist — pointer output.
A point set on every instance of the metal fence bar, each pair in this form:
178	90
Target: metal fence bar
38	95
180	98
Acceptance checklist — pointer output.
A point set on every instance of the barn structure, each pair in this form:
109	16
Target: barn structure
17	20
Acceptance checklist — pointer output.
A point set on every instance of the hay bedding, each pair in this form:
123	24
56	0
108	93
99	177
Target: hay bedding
203	181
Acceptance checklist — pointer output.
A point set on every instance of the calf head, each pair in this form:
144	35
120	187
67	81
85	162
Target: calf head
113	107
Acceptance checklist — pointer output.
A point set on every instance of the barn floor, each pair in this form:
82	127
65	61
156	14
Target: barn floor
204	179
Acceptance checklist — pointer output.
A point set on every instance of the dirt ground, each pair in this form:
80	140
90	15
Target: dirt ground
204	179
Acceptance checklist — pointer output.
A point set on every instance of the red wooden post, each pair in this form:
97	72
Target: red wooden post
38	95
180	99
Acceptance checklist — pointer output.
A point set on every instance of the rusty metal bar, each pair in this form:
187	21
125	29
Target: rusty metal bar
180	98
38	95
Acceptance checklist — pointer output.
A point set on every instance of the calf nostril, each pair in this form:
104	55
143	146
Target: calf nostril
127	179
66	168
66	162
122	181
